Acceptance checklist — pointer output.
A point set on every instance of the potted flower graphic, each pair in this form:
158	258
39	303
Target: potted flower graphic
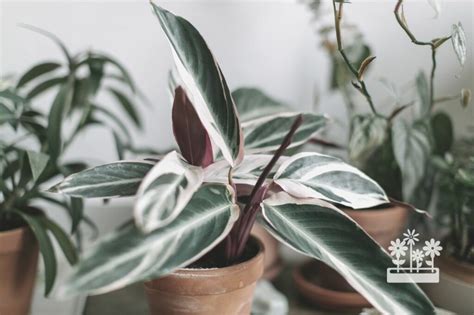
432	249
419	274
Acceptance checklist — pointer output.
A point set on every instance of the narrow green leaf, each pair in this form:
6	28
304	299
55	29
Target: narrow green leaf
319	230
46	248
77	213
44	86
37	71
60	105
63	240
128	255
105	181
38	162
127	105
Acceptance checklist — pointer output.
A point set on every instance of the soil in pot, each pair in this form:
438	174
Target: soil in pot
203	289
316	291
18	265
455	290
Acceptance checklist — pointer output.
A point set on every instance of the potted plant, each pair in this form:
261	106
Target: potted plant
393	149
34	155
454	209
189	239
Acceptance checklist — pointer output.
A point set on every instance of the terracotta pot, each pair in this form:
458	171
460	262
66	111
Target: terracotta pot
315	291
383	224
223	291
272	261
18	265
455	290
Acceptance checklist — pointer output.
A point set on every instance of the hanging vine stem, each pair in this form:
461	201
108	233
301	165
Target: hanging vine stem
361	86
434	44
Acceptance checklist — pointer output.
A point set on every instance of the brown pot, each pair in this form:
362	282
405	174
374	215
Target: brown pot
314	290
272	261
383	224
223	291
18	265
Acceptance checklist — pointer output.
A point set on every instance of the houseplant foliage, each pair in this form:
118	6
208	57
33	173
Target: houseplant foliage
187	203
25	171
393	148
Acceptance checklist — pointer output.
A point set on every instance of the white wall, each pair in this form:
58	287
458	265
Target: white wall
270	44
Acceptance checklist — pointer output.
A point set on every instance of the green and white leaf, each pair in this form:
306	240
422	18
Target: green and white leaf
204	83
436	5
314	175
128	255
165	191
458	39
368	132
319	230
424	94
252	103
38	162
412	148
266	134
247	172
105	181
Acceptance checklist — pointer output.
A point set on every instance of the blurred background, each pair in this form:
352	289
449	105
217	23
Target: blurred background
273	45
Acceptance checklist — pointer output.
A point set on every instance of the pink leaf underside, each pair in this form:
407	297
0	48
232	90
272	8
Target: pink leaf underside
190	134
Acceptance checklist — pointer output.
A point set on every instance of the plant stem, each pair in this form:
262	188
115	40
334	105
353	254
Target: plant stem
362	86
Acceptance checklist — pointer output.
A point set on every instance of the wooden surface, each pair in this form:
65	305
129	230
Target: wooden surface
131	300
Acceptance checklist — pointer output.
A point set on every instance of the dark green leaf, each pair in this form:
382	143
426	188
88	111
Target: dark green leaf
77	213
46	248
443	133
37	71
127	105
63	240
44	86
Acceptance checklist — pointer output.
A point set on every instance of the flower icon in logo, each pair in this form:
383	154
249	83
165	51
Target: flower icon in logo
411	238
432	249
397	249
417	256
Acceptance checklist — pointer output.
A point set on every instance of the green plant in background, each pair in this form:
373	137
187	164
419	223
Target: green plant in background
23	119
201	204
455	203
394	149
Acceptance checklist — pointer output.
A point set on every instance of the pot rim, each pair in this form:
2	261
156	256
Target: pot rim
354	299
215	280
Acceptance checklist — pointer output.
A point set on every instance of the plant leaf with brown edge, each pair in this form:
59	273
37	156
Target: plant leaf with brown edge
190	134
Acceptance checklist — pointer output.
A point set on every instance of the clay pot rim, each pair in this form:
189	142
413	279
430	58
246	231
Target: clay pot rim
248	271
354	300
16	230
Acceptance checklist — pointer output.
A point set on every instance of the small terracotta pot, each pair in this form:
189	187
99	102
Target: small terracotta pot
315	291
455	290
223	291
272	260
383	224
18	265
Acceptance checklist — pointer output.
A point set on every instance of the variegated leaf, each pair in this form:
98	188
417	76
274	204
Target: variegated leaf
266	134
458	39
247	172
412	148
205	84
319	230
105	181
252	103
165	191
314	175
128	255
